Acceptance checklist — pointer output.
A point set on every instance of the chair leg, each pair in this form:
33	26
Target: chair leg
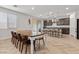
34	45
12	40
43	42
26	49
16	43
19	46
22	47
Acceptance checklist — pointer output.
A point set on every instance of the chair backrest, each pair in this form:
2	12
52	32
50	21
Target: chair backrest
15	35
25	38
12	33
19	37
22	38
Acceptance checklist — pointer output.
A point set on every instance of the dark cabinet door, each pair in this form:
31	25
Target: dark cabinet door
65	30
45	23
77	28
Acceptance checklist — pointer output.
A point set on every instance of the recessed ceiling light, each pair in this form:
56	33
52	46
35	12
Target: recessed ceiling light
50	12
67	8
33	8
40	15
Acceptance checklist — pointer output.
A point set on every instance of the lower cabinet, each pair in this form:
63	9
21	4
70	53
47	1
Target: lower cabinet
65	31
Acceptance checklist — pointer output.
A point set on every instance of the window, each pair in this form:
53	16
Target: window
3	20
7	20
12	21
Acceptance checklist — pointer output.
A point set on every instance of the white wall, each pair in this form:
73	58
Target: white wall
40	24
73	24
21	10
22	22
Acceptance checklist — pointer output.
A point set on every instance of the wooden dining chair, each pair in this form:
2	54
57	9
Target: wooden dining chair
26	41
13	39
23	40
39	39
19	41
16	39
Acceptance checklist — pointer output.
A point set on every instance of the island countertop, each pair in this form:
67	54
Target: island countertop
61	26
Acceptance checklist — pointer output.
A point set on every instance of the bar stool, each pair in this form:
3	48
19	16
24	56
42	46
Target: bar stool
47	31
56	32
52	32
60	33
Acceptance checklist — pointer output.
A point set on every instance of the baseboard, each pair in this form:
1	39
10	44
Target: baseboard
4	38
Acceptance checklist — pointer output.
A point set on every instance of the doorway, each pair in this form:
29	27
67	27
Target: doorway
77	28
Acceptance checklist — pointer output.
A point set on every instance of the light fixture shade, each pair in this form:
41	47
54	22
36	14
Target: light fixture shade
67	8
33	8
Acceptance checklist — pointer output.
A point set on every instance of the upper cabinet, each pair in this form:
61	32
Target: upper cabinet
64	21
58	22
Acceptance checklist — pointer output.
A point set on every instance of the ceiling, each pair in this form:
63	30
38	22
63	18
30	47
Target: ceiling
48	11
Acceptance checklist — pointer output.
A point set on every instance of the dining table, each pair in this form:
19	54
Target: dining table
32	36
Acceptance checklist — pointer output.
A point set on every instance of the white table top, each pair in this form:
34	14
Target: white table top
34	34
